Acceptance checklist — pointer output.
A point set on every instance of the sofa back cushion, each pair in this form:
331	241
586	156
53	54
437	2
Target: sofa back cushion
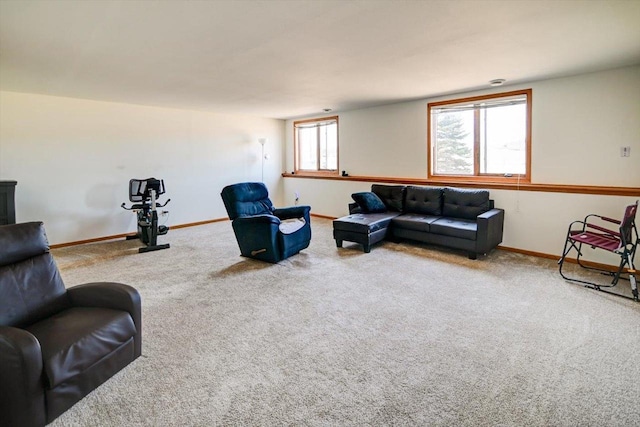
424	200
31	287
467	204
391	195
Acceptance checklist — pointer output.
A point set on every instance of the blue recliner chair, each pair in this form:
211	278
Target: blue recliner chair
264	232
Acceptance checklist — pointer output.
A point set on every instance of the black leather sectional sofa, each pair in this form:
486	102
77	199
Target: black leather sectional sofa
457	218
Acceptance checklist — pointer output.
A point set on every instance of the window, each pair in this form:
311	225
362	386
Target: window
481	138
316	145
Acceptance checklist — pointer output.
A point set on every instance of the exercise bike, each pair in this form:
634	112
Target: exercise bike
143	193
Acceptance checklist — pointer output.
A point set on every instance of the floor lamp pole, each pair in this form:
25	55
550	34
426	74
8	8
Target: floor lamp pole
262	141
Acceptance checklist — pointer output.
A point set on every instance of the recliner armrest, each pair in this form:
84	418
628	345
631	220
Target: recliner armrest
292	212
257	219
110	295
490	228
21	391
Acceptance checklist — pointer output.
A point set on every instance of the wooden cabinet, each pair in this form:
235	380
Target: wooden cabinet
7	202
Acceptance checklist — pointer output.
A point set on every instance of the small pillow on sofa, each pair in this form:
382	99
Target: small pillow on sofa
369	202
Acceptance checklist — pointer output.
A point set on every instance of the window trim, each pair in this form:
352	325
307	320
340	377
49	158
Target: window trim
476	177
296	159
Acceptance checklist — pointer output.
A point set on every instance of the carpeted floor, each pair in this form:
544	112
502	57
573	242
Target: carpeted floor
405	335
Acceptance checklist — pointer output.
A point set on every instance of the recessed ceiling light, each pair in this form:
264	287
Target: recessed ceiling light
497	82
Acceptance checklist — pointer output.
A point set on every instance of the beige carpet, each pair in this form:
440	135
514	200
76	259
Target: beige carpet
405	335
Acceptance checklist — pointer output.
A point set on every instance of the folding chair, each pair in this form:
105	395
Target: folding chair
623	242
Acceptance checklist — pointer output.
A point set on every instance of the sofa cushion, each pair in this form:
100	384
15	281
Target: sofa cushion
77	338
424	200
413	221
455	227
369	202
391	195
466	204
364	223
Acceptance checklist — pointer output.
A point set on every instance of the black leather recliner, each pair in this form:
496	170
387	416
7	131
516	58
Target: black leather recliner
264	232
56	344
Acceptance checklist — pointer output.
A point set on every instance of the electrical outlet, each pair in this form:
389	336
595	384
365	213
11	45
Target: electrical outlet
625	151
296	196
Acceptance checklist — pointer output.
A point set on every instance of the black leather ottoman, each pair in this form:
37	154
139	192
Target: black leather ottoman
363	229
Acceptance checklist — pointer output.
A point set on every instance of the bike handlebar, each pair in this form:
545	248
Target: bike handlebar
160	205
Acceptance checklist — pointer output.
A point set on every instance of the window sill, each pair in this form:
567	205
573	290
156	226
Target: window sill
482	180
547	188
322	174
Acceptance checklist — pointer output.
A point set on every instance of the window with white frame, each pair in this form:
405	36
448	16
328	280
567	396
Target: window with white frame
481	138
316	145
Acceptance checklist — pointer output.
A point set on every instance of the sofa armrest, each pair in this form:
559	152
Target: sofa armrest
490	227
293	212
111	295
22	400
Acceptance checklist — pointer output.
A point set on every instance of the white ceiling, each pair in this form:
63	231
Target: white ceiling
285	59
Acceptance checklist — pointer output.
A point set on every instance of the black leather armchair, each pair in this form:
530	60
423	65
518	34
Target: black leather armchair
56	344
262	231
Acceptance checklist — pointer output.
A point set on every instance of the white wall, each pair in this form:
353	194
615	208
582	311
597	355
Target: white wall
578	126
73	160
